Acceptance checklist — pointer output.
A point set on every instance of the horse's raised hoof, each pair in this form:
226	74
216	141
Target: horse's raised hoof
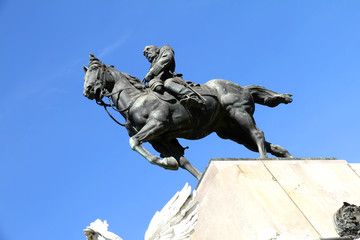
169	163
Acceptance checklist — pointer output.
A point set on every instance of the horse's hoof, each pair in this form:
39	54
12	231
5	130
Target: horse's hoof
171	163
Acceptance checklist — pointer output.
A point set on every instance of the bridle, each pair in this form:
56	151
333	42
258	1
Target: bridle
101	74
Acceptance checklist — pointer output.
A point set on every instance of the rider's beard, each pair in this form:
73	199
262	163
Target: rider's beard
150	58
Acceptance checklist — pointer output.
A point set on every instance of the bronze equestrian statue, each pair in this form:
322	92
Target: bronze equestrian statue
159	117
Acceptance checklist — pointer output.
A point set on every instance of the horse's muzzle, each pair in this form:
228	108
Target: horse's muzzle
89	92
92	92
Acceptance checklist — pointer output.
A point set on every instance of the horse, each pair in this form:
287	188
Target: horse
227	110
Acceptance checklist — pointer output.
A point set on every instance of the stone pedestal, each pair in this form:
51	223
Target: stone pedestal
253	199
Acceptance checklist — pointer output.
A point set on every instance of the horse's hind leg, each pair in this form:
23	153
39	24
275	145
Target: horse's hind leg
247	124
273	149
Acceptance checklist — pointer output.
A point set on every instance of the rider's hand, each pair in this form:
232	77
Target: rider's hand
146	79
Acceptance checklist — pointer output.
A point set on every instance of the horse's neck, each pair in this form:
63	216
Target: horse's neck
124	91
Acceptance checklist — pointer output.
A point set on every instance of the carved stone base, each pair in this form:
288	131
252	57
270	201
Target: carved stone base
274	199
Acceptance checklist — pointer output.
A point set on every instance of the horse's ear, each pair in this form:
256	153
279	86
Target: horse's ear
85	69
93	58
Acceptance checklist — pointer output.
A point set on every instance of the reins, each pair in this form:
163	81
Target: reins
105	105
101	103
109	95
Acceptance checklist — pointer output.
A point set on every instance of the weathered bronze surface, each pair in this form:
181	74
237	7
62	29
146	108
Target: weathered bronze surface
169	108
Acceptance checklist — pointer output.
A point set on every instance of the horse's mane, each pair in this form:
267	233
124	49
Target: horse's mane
133	80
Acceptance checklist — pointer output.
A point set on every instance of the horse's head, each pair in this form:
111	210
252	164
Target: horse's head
98	79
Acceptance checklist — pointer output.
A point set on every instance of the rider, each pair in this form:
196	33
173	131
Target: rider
162	75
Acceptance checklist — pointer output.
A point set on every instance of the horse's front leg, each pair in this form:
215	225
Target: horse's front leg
152	129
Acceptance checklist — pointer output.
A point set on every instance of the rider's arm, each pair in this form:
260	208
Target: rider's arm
166	57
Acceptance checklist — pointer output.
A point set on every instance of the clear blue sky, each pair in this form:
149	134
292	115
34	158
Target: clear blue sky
65	163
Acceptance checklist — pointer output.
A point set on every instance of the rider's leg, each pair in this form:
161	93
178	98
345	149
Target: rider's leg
157	85
181	92
176	89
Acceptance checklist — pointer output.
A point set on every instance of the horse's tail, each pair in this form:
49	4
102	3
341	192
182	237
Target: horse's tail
268	97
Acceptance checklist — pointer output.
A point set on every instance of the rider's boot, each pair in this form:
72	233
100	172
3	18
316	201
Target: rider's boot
186	96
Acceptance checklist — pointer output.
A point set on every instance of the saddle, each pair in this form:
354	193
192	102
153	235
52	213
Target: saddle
203	90
165	96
